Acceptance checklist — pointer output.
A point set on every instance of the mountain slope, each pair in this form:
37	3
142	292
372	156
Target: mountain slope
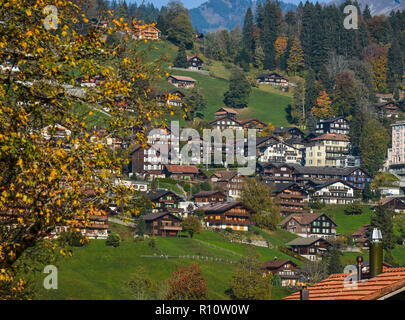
378	7
225	14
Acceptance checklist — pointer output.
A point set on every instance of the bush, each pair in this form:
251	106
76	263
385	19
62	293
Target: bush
152	242
74	238
113	240
354	208
276	280
318	204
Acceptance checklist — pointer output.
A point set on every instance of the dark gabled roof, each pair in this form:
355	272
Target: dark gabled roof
281	130
173	91
280	187
219	207
157	194
225	117
182	78
333	119
157	215
225	175
305	218
317	185
325	170
275	264
207	193
272	75
304	241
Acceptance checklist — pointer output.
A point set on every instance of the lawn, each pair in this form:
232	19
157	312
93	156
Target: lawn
347	223
98	271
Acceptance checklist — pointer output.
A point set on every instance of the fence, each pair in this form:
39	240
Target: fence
191	257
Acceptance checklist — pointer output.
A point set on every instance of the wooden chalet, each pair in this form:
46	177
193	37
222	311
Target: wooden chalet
291	198
227	215
389	109
331	192
95	227
145	32
285	133
396	204
311	248
286	269
226	122
361	236
162	223
273	79
230	181
275	172
195	63
309	225
252	124
182	172
172	98
222	112
181	81
337	125
204	197
164	199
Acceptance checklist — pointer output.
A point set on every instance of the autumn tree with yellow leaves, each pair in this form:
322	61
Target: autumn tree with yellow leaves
47	179
323	108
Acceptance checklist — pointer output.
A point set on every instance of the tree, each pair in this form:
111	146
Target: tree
280	47
194	104
367	192
353	208
248	283
141	287
323	107
113	240
187	283
267	130
276	280
259	197
382	219
374	141
141	227
295	60
335	265
239	90
395	65
192	225
49	180
181	58
247	36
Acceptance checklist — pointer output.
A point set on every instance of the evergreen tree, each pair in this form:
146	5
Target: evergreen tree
367	13
247	35
335	265
395	65
268	22
181	58
311	93
382	219
367	192
195	104
239	90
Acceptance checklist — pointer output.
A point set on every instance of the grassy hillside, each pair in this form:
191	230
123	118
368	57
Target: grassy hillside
100	272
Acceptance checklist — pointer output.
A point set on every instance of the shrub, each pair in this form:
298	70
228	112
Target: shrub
354	208
113	240
152	242
74	238
318	204
276	280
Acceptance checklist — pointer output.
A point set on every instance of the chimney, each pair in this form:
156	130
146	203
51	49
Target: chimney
359	264
304	294
376	253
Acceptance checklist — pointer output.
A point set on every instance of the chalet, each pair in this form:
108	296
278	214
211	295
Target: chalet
164	199
96	227
182	172
325	149
281	152
147	161
252	124
388	109
331	192
337	125
222	112
309	225
230	182
162	223
227	215
226	122
348	161
172	98
387	285
276	172
396	204
291	198
181	81
194	63
145	32
311	248
361	236
56	132
205	197
355	176
273	79
286	269
141	186
285	133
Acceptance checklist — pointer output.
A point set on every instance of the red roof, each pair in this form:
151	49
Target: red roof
332	136
181	169
333	288
183	78
227	110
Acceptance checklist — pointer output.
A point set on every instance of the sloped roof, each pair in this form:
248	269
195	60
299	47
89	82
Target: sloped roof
207	193
333	288
228	110
157	194
275	264
332	136
304	218
361	231
182	78
181	169
157	215
225	175
304	241
221	206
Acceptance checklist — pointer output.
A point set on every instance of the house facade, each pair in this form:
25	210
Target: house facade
227	215
230	182
145	32
291	198
164	199
195	63
331	192
222	112
163	224
203	198
226	122
181	81
312	248
273	79
286	269
279	151
336	125
182	172
310	225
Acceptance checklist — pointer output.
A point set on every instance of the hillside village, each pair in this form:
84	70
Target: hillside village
327	186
